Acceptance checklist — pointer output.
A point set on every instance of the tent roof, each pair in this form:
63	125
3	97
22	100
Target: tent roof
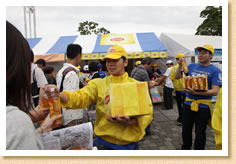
134	43
186	44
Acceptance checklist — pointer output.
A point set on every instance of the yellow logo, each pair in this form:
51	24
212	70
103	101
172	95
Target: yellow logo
112	39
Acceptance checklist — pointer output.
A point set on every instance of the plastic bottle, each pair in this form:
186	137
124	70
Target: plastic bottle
185	82
53	102
195	83
204	81
189	82
184	66
201	82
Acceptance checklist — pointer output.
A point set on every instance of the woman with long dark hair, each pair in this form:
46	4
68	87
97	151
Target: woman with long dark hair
20	131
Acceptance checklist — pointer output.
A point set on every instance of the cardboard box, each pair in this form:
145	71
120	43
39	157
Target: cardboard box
198	83
129	99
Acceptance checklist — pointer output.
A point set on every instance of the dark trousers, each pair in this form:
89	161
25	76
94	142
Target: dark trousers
168	99
180	97
200	119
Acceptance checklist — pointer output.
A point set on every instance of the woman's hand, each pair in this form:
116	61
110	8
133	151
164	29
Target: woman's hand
39	114
125	120
46	126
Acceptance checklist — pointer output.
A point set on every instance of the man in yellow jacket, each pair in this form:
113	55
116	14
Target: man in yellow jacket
179	89
119	133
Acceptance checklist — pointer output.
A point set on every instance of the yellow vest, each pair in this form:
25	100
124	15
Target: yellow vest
217	121
178	83
96	92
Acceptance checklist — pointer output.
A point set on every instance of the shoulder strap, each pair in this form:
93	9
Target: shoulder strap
64	73
34	79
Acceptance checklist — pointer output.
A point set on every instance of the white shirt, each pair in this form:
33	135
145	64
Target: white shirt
71	80
39	75
70	83
169	82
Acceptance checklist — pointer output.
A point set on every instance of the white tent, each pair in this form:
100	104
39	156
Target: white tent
186	44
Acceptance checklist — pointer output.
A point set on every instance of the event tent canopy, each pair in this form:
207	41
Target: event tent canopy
137	45
186	44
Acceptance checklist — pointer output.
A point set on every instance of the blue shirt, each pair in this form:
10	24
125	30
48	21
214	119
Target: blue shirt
214	76
102	74
158	71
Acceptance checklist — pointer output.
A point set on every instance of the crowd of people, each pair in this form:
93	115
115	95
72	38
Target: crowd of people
81	90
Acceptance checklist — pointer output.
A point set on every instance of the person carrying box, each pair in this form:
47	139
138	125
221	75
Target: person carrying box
119	132
198	105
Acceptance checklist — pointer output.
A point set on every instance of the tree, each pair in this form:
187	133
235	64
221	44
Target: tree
212	25
87	28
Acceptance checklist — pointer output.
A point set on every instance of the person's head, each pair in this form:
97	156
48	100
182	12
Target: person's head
179	56
48	70
116	60
18	69
86	69
205	53
169	63
154	66
41	63
147	63
73	53
137	63
93	67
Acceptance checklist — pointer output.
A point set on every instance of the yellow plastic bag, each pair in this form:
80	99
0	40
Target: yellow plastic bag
129	99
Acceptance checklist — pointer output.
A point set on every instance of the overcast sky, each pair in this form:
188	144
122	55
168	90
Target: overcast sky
65	20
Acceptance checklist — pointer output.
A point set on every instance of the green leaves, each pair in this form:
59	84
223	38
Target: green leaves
212	25
88	28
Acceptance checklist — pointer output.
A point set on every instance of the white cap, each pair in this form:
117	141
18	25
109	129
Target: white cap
86	68
169	62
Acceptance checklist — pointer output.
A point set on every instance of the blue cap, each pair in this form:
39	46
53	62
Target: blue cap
99	65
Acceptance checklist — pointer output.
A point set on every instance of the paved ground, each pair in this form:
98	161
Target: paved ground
166	134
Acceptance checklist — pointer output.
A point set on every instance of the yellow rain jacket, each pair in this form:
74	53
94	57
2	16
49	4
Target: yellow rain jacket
217	121
96	92
178	83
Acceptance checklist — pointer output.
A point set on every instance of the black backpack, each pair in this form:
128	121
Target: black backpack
64	73
35	90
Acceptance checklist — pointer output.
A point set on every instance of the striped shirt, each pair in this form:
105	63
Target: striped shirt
140	74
